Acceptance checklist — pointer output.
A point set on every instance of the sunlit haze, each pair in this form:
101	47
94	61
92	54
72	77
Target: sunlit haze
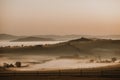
61	17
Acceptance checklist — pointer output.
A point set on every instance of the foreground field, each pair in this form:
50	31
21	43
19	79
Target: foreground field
103	73
55	78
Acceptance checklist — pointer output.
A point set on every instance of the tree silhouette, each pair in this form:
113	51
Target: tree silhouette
113	59
18	64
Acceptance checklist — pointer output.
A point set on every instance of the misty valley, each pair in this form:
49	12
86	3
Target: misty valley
81	53
59	39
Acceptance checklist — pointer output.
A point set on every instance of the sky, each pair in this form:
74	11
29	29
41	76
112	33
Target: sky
60	17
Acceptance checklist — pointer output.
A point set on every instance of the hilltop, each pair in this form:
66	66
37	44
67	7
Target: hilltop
32	39
7	37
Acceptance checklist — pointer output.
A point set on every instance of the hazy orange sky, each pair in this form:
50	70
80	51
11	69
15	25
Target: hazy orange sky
36	17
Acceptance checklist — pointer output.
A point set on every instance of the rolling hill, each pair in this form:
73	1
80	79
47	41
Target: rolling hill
7	37
32	39
82	46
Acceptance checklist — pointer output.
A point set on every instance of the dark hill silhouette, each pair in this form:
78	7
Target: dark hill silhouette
81	39
7	36
32	39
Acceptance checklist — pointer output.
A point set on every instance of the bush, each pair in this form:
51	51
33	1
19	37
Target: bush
18	64
113	59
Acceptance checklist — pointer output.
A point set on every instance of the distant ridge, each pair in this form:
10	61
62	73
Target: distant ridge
7	36
32	39
59	37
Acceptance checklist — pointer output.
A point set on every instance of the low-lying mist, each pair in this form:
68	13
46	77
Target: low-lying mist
78	53
45	62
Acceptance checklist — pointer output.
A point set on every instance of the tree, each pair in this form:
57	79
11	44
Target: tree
18	64
5	65
92	60
113	59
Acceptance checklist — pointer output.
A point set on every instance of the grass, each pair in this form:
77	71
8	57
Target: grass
102	73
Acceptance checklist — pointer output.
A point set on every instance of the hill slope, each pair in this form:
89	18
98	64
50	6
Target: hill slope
82	46
32	39
7	37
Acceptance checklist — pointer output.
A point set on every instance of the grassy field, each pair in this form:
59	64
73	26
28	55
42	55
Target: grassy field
103	73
